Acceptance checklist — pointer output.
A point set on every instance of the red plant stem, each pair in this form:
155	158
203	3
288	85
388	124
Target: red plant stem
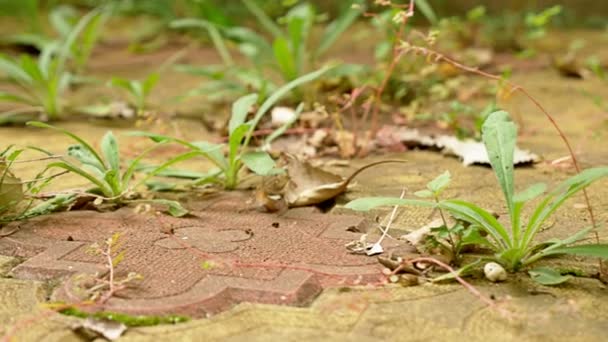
389	72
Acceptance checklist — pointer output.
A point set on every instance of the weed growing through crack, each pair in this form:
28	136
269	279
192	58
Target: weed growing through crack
513	247
104	170
289	54
228	165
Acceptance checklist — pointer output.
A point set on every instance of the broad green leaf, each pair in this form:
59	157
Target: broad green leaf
594	250
339	25
530	193
240	109
499	136
260	162
473	214
369	203
109	149
112	178
285	59
558	196
300	19
548	276
439	183
88	147
85	157
234	143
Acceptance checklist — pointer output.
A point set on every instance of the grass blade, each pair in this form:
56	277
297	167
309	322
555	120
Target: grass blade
103	187
109	149
499	136
278	94
240	109
337	27
71	135
267	23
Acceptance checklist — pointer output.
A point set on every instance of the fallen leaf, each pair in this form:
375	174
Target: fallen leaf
309	185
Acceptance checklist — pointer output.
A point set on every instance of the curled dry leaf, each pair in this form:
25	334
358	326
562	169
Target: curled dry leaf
309	185
303	185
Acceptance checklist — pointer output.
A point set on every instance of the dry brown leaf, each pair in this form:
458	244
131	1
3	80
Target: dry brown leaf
309	185
11	189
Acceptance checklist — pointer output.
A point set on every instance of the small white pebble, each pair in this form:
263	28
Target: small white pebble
494	272
282	115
